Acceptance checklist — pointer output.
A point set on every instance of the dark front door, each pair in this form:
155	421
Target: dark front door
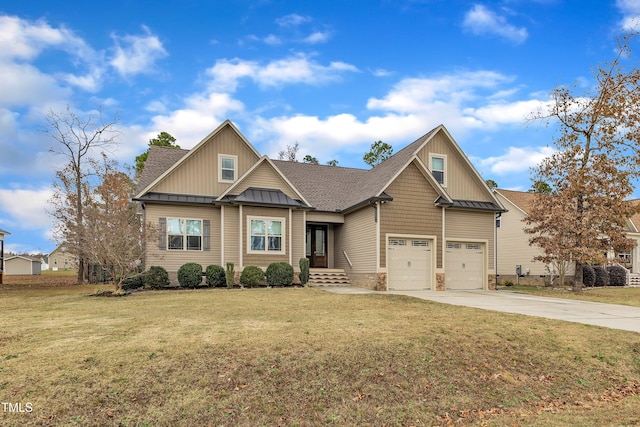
317	245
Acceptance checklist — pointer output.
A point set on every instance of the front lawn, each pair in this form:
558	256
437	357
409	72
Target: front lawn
609	295
302	357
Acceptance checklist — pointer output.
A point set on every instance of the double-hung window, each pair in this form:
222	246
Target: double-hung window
184	234
227	167
266	235
439	168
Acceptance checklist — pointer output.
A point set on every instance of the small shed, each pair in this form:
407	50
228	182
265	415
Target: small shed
2	234
22	265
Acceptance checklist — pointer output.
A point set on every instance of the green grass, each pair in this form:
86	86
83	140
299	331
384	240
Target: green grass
302	357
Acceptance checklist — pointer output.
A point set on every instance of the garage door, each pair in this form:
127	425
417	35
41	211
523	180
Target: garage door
409	264
464	265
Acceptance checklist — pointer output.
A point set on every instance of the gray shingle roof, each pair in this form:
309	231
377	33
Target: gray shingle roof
159	160
4	231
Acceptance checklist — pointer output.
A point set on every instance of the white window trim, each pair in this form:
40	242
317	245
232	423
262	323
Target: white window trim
185	235
235	167
266	251
444	172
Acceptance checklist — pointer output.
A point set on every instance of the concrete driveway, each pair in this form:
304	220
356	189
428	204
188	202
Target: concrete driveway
589	313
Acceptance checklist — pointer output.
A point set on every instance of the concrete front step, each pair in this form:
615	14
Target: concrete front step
328	277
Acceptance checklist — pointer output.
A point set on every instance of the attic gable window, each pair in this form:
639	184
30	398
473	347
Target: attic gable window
438	164
227	168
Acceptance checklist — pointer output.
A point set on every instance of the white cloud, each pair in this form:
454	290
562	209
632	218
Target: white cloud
463	101
25	208
292	20
227	73
137	54
413	94
25	40
630	10
317	37
504	112
480	20
516	159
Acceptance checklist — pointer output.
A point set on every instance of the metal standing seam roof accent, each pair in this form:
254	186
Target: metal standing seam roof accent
177	198
476	205
264	196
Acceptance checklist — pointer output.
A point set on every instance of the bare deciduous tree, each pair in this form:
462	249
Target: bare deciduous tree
80	140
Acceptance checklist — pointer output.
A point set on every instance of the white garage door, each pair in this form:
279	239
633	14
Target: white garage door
464	265
409	264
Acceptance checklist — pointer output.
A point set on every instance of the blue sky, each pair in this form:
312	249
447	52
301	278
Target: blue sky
334	76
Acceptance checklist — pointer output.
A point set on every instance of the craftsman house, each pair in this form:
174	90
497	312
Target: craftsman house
422	219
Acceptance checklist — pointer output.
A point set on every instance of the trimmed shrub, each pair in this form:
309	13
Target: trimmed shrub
190	275
215	276
134	281
602	278
617	275
230	275
588	275
252	276
279	273
156	277
304	271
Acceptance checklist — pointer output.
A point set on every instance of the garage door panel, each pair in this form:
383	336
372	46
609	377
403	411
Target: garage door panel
409	263
464	265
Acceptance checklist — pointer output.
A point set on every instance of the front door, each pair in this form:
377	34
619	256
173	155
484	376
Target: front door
317	245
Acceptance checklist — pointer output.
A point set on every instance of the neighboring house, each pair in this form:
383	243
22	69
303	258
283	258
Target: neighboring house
23	265
422	219
2	234
61	259
513	246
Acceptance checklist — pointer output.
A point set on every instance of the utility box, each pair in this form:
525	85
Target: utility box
518	270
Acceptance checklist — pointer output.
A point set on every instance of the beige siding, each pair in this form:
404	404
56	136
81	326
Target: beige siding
231	235
261	260
321	217
298	236
173	260
62	260
17	266
471	226
264	176
460	177
513	244
412	210
356	237
198	175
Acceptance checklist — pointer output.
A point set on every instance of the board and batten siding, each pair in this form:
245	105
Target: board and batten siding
412	210
172	260
298	236
356	237
198	175
463	226
264	176
460	177
231	229
263	260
